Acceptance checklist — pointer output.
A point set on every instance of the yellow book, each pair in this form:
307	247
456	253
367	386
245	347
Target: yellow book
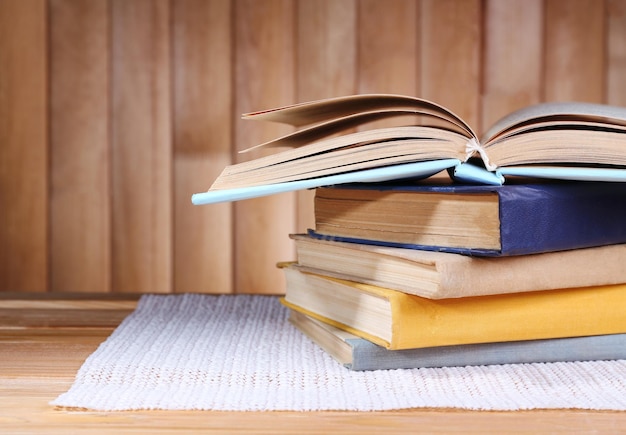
397	320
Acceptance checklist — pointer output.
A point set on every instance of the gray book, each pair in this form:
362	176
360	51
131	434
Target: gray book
359	354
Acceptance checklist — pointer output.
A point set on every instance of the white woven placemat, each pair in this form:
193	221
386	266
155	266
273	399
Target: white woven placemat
239	353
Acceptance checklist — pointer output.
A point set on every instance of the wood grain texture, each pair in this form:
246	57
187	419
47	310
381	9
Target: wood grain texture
141	145
80	207
575	50
23	146
326	49
616	53
451	55
112	113
264	78
388	62
326	66
202	116
513	57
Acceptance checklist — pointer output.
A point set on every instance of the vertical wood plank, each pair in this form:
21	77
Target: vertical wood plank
264	78
388	55
141	147
23	146
513	57
326	50
451	56
388	47
326	65
106	153
575	50
80	161
616	53
202	71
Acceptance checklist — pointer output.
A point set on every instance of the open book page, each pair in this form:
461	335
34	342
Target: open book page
365	156
366	148
317	132
323	110
564	114
344	112
560	147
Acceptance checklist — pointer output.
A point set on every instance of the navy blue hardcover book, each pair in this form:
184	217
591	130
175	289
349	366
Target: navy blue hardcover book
511	219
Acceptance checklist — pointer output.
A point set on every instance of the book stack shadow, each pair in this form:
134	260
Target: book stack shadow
516	255
410	275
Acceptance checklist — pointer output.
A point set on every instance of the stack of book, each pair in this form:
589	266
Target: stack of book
407	270
463	275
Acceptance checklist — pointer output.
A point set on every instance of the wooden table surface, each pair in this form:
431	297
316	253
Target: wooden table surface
44	339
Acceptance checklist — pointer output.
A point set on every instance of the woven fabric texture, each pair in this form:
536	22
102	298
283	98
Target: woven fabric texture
240	353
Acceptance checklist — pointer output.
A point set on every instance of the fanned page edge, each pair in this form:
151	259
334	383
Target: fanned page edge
602	113
321	131
334	114
317	111
341	143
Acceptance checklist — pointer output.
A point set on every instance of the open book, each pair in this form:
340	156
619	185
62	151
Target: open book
565	140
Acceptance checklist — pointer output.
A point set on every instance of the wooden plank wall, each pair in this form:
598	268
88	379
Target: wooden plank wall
113	112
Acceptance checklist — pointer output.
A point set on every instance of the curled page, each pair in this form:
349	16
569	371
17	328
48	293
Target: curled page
472	147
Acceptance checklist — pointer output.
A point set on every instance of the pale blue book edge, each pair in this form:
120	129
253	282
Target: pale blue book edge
469	173
369	356
565	173
463	172
387	173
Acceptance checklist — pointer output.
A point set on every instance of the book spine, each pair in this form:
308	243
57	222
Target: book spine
538	219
